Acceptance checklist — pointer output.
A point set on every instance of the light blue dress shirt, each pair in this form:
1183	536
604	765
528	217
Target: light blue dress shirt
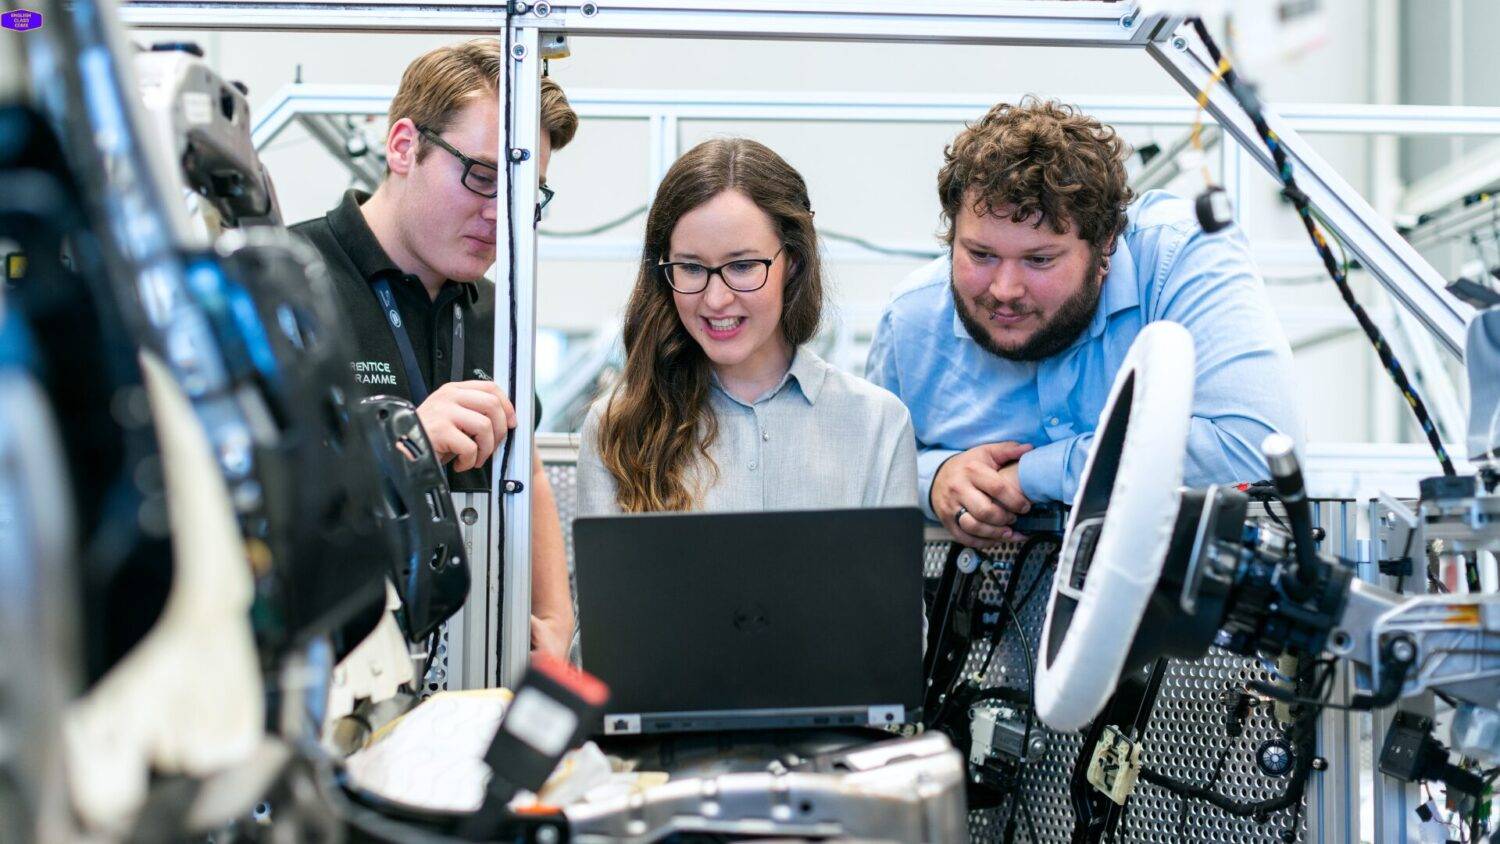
1164	268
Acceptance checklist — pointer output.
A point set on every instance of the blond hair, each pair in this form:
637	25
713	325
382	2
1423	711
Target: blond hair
440	83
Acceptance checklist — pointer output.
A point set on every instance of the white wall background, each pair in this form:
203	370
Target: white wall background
874	180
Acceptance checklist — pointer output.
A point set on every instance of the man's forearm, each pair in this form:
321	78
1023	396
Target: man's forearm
551	598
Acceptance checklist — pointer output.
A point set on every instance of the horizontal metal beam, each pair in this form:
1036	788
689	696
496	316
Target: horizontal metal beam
1079	23
1076	23
1475	171
311	17
833	106
1482	216
1395	264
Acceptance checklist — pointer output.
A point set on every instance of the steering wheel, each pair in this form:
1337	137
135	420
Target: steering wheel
1119	530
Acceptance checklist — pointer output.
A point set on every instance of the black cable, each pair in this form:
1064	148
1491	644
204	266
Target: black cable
827	234
1021	556
432	646
599	229
1251	105
510	258
1030	678
1213	780
1303	733
1030	824
877	248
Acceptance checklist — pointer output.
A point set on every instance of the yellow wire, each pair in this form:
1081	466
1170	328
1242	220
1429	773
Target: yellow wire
1196	138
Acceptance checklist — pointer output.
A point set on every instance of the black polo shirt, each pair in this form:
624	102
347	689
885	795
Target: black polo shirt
355	260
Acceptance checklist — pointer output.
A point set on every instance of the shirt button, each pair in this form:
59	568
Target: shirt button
440	357
1053	421
765	436
752	465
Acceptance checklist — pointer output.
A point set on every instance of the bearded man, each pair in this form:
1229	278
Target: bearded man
1004	349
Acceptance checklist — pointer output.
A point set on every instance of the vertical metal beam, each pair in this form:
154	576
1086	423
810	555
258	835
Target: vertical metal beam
523	80
469	643
662	144
1395	802
1333	794
1409	278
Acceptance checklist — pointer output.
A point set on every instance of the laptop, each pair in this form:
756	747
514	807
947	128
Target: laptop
729	621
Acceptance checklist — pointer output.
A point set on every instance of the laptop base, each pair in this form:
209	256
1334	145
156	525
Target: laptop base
652	723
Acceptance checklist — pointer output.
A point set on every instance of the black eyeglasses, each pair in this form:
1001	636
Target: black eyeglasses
742	275
547	194
479	177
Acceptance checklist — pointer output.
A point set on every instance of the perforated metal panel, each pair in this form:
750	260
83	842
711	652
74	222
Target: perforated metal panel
1183	740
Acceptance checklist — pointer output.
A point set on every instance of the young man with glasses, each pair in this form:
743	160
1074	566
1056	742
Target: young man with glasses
408	265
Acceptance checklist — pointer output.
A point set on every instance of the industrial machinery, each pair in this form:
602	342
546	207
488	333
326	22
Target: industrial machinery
1150	571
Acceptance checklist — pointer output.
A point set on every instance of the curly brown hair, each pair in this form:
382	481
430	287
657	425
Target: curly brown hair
1044	161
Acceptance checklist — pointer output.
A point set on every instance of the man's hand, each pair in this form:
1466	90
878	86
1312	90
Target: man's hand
976	494
465	421
550	636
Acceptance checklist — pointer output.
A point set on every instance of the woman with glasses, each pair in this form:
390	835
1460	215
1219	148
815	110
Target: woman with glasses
722	406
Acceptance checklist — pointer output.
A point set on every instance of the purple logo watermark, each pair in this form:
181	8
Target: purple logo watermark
21	20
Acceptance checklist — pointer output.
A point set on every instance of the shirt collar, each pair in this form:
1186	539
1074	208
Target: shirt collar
364	249
807	369
810	372
1120	293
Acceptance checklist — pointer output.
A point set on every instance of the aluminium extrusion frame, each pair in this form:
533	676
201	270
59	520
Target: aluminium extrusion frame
1085	23
316	105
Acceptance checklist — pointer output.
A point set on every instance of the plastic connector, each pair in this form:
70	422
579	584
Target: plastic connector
1115	765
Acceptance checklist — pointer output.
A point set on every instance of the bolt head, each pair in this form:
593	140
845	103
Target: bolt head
1319	763
1403	650
589	10
1179	43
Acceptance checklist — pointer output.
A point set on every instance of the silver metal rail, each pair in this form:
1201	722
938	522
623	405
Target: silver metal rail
1408	277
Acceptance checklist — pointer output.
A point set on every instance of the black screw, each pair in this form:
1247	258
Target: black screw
589	10
1319	763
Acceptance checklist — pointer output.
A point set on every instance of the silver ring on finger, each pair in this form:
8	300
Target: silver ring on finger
959	515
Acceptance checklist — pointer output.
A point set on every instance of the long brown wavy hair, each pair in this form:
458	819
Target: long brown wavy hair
657	422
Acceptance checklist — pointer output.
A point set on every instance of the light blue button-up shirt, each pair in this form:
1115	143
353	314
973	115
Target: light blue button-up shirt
1164	268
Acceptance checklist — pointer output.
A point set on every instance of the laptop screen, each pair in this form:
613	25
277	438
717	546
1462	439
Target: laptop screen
752	611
